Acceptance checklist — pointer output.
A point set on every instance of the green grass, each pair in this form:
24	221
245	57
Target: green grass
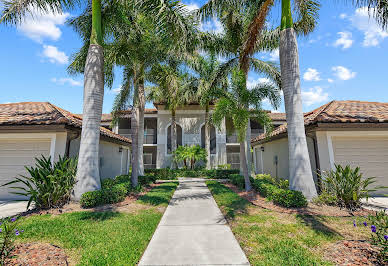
101	238
271	238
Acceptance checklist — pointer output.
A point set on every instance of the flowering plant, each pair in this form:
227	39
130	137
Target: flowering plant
8	232
379	229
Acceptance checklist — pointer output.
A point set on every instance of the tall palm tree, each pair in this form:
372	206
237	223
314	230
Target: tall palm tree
236	20
258	38
88	164
174	88
136	41
240	105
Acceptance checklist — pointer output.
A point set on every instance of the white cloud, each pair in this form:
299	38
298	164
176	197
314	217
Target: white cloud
343	73
330	80
70	81
274	55
311	75
314	95
343	16
252	83
373	33
54	55
345	40
213	25
116	91
192	6
38	26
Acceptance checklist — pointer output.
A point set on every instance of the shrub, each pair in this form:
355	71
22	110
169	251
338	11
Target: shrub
49	185
325	198
237	180
348	186
167	173
8	232
224	166
113	190
288	198
278	191
379	228
189	155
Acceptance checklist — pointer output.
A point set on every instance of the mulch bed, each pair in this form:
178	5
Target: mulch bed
352	252
125	206
37	254
312	209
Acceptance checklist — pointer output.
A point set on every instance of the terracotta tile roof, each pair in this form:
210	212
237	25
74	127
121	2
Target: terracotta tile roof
277	116
339	112
45	113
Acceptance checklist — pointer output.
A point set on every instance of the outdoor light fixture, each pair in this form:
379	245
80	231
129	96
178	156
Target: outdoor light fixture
262	148
120	149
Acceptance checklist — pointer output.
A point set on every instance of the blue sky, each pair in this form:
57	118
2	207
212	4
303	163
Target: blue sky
344	59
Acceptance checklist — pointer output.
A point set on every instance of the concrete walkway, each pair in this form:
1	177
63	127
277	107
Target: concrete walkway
193	231
10	208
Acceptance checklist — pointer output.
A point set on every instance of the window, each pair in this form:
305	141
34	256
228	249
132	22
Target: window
178	138
213	142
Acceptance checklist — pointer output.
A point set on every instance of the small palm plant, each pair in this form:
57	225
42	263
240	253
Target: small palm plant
49	185
348	186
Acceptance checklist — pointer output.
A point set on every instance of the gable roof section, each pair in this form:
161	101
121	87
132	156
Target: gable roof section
45	113
338	112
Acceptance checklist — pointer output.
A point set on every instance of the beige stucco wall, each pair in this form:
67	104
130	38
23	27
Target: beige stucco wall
279	148
112	162
191	122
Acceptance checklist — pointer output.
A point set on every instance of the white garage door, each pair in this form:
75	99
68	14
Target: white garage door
14	155
369	153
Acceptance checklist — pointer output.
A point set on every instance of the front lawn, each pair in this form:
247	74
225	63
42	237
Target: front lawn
102	238
274	238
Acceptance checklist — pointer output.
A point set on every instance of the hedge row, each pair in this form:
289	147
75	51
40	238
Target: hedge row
274	190
167	173
113	190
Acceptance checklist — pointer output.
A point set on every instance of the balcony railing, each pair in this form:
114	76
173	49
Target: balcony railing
233	158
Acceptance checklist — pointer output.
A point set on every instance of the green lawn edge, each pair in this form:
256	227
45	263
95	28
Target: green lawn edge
101	238
270	238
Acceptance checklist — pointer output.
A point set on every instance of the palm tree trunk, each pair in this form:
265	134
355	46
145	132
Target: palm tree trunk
135	145
243	163
141	94
173	134
207	137
301	177
88	176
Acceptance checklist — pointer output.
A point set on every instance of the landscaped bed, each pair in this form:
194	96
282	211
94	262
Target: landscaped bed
270	236
115	234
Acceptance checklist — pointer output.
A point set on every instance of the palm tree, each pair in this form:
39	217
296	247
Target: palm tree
236	103
134	41
206	67
236	20
174	88
257	38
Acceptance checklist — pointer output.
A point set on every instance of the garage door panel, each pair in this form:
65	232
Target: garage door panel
14	155
368	153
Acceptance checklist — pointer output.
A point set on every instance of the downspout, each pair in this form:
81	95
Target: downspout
317	164
68	143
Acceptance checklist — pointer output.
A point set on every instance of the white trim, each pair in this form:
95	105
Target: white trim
331	152
52	148
151	115
166	130
232	144
179	112
150	145
331	134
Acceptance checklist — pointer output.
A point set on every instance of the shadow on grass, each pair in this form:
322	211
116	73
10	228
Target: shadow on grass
230	202
159	195
316	223
96	216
